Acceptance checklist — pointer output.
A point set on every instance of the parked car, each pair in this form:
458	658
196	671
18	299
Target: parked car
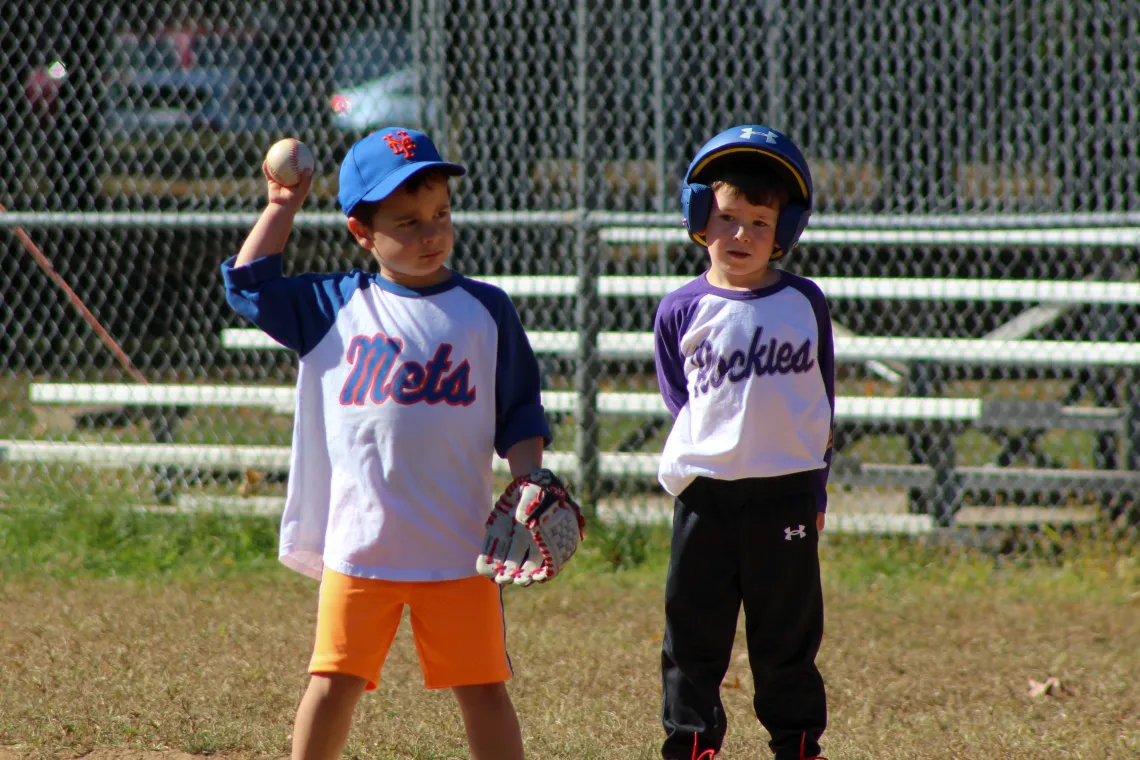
375	82
189	113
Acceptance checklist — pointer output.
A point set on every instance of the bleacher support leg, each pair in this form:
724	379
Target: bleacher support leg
1132	420
946	490
164	422
918	442
935	449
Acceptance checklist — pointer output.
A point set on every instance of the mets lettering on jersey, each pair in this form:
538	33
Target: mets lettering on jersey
377	377
761	358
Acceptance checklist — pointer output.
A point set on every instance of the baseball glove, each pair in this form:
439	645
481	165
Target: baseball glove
497	536
532	532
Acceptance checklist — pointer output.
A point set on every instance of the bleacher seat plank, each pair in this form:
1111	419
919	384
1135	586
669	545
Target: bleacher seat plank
629	403
1055	292
639	345
977	517
276	459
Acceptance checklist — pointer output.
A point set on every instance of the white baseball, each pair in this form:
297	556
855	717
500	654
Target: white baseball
287	159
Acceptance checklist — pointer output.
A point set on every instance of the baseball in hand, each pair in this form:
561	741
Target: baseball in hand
287	159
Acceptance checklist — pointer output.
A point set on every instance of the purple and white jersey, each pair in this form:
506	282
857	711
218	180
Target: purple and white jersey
750	378
403	396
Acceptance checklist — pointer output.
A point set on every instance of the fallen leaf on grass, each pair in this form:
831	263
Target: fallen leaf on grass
1051	686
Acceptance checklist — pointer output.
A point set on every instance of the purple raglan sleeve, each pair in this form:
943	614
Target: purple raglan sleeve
668	327
825	353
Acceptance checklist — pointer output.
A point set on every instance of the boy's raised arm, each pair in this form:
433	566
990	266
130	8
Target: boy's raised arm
273	227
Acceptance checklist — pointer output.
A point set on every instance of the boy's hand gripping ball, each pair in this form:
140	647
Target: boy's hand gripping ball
286	160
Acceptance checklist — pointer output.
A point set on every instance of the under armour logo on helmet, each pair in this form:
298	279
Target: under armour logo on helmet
798	532
769	137
401	144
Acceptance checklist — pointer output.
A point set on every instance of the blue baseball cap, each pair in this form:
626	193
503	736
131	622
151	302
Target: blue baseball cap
379	163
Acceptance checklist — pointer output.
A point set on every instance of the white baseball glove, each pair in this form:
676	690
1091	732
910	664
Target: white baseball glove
533	531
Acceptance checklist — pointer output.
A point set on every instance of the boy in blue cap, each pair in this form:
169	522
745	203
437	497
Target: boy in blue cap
746	363
409	381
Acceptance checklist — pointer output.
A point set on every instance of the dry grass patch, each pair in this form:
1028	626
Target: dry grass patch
932	663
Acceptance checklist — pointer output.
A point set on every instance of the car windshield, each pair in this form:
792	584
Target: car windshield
148	54
225	52
367	55
170	52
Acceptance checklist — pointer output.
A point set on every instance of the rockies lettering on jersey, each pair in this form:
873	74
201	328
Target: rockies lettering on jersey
749	376
768	358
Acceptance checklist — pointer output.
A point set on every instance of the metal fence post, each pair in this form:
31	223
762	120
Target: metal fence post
587	307
587	313
775	36
419	44
437	66
659	126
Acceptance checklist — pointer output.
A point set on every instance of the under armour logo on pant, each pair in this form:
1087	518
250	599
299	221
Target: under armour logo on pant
788	533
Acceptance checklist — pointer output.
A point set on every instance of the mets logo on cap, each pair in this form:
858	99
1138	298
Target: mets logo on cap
378	164
401	143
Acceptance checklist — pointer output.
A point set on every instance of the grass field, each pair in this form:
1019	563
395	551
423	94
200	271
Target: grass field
127	635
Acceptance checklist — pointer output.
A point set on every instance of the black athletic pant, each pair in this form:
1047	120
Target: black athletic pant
750	541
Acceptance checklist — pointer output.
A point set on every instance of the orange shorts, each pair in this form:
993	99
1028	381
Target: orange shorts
457	625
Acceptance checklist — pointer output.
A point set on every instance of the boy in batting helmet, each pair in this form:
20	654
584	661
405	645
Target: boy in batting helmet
745	362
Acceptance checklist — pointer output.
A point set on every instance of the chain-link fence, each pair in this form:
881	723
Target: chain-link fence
975	225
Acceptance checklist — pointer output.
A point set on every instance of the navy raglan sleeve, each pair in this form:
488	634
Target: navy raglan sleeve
667	356
519	414
297	312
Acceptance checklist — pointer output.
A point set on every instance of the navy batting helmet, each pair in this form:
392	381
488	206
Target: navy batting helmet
697	198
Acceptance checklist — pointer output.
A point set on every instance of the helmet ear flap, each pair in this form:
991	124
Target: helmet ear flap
696	204
790	225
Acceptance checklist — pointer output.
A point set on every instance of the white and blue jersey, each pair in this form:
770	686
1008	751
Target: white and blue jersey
750	378
403	396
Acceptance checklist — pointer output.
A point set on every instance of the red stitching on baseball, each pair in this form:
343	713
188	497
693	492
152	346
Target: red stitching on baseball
293	153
